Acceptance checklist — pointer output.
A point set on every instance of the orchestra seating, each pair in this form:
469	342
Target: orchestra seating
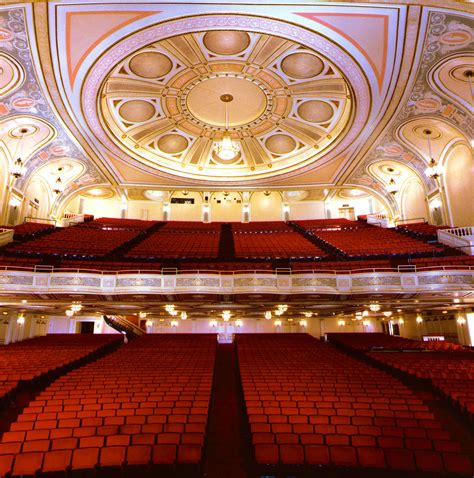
145	404
180	241
34	358
450	372
308	403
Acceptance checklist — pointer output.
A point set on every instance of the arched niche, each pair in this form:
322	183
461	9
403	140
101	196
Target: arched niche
38	199
458	180
412	201
226	207
186	207
265	207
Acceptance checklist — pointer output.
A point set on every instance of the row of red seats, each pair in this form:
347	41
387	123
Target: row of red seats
110	266
341	265
261	227
422	229
275	245
177	245
146	403
187	226
116	223
375	340
330	224
373	240
308	403
452	373
33	358
76	241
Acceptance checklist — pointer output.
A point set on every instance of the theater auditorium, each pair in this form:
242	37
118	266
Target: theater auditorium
236	239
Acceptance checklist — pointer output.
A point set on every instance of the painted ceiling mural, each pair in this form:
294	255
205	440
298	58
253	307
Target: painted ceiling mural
313	94
24	106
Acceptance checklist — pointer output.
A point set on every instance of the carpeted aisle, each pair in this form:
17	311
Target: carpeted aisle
227	448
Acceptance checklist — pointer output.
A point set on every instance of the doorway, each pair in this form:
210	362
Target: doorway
86	327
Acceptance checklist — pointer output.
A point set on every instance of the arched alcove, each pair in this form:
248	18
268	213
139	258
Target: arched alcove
412	201
458	178
37	200
265	207
186	207
226	207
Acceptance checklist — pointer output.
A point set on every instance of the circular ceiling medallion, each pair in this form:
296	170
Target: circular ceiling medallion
280	144
302	65
98	193
160	99
226	42
172	143
315	111
136	111
23	131
150	64
203	100
426	132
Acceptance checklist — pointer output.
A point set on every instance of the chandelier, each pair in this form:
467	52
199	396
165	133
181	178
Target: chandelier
17	168
392	187
227	150
433	170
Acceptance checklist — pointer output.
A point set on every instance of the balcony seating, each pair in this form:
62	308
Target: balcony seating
375	241
261	226
275	245
177	245
32	359
311	225
18	263
145	404
22	231
192	226
116	223
422	230
226	266
76	241
110	266
308	403
340	266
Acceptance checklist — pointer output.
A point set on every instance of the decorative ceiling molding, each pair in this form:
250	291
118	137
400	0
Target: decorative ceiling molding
30	100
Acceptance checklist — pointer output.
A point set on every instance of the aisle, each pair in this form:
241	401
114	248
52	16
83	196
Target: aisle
227	448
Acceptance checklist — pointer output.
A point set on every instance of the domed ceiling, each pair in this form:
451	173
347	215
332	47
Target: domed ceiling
163	104
321	93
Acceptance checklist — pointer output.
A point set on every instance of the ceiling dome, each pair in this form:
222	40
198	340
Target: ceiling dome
163	104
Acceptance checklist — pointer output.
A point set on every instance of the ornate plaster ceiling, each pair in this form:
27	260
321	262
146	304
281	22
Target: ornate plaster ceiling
136	101
163	104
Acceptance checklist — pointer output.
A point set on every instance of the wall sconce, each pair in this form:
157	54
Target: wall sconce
239	323
213	323
277	323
